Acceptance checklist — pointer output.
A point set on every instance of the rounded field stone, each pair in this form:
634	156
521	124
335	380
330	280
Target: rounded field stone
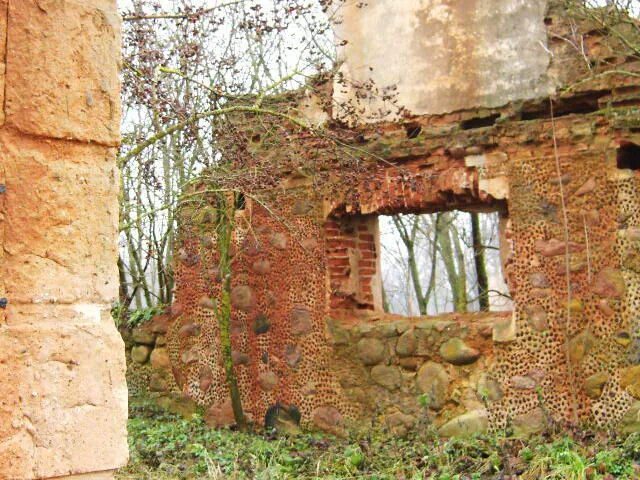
292	355
160	324
189	330
190	356
370	351
386	376
467	424
489	388
609	283
433	381
242	298
529	423
581	345
158	383
261	324
206	302
140	353
268	380
261	267
630	380
539	280
239	358
407	344
160	359
400	423
309	243
523	382
537	318
220	415
327	418
279	241
143	336
251	246
594	384
206	379
456	352
302	207
301	321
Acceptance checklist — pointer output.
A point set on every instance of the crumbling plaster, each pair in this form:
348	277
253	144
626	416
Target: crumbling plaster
442	55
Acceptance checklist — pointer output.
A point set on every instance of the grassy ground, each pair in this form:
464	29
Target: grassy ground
164	446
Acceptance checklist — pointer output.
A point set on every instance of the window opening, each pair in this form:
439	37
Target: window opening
442	262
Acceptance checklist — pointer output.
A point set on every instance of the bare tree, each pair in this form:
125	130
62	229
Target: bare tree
479	261
188	65
450	259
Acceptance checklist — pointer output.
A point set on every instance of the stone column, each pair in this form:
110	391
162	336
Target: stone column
63	397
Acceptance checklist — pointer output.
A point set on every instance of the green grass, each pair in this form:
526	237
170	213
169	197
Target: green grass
164	446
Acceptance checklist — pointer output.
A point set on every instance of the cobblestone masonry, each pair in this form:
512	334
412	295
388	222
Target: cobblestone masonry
307	328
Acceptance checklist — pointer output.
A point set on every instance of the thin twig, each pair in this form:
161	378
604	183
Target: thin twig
178	16
565	220
122	161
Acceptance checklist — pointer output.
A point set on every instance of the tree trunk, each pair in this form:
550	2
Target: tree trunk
461	279
434	258
447	254
226	214
480	262
385	300
409	240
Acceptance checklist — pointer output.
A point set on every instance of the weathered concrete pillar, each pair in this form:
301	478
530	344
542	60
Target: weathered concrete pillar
63	399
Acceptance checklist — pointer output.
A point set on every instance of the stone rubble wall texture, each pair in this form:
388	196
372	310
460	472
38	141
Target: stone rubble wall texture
305	328
279	299
149	372
63	397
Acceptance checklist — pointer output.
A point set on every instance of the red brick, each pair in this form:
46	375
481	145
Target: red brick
331	224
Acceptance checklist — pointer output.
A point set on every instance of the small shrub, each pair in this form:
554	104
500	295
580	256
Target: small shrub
134	318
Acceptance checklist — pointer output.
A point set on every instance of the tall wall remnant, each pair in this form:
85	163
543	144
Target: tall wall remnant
442	55
63	399
307	328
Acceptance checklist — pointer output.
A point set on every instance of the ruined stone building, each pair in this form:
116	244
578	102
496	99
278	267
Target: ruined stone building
477	130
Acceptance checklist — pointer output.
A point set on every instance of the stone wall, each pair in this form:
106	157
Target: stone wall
406	372
306	264
291	276
149	372
63	399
